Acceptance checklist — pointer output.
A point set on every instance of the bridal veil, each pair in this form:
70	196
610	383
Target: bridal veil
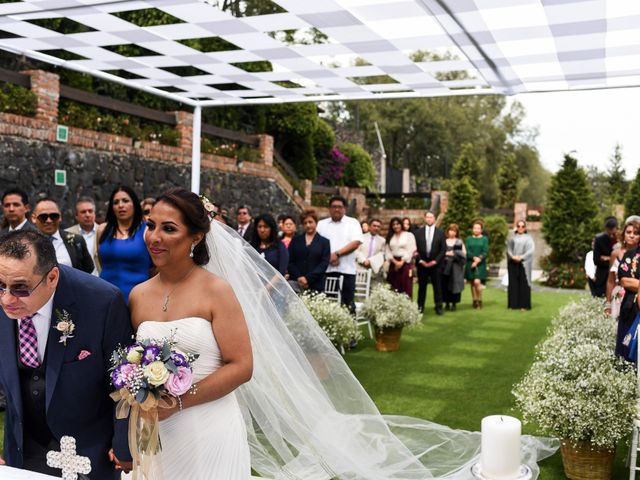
306	414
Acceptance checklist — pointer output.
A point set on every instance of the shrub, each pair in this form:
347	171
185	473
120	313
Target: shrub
386	308
331	170
323	141
563	275
632	198
359	171
497	229
463	205
18	100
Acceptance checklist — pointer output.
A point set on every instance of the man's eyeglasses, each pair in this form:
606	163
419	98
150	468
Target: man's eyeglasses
43	217
146	212
22	292
520	226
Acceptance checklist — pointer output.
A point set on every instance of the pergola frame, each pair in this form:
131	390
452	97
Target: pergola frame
482	47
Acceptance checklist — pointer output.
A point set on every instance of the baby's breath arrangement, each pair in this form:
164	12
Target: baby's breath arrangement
577	389
334	319
386	308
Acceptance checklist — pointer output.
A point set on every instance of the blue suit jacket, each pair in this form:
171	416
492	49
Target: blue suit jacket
77	391
310	262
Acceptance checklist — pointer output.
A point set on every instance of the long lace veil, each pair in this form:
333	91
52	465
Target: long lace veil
306	414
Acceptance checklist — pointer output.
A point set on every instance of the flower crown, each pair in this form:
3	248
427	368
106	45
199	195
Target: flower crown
209	207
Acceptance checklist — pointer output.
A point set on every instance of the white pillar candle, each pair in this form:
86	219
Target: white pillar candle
500	454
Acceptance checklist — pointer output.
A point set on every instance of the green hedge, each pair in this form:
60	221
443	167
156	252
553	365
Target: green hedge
18	100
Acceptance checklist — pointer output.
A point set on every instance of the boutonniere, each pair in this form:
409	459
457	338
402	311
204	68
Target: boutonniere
65	326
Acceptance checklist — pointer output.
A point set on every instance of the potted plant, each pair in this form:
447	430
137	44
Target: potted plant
497	229
389	311
579	391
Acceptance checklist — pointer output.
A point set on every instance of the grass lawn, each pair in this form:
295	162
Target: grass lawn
460	367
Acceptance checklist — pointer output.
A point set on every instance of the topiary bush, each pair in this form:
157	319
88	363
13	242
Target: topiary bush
497	229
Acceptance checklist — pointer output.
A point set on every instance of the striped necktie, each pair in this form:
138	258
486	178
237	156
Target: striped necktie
28	340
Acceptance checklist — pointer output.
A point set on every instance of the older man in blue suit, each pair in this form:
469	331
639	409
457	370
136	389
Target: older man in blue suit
58	328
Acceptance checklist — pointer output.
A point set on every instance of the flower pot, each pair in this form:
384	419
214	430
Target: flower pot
388	339
583	461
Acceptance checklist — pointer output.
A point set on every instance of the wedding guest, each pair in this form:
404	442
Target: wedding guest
71	249
629	276
265	241
58	386
245	226
431	249
629	238
455	258
370	253
15	208
88	228
288	229
399	251
477	250
520	249
147	204
309	255
364	225
345	235
407	226
121	248
602	246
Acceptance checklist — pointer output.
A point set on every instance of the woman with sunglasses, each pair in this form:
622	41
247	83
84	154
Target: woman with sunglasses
147	204
121	248
520	248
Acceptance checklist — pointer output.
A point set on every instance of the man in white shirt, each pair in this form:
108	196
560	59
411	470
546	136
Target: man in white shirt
15	208
71	249
87	227
345	236
370	253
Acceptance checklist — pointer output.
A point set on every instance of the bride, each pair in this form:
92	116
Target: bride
273	394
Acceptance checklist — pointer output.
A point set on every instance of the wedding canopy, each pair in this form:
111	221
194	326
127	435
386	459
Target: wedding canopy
195	52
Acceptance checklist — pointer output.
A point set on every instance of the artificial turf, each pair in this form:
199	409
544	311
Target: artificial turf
457	368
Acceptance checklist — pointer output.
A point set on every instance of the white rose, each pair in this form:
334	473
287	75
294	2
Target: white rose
62	326
156	373
135	355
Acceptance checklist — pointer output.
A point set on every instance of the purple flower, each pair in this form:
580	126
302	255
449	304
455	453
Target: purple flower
179	359
122	375
180	382
150	354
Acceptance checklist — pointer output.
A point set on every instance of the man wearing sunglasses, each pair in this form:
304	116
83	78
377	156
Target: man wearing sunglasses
54	376
87	227
71	249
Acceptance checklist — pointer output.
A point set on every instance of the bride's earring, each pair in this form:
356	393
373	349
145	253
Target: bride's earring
193	246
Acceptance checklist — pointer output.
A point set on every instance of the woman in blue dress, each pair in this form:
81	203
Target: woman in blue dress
123	254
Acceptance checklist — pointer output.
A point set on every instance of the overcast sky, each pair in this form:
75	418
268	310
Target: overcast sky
589	122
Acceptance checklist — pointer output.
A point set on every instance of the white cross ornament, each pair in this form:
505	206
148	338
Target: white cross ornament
67	460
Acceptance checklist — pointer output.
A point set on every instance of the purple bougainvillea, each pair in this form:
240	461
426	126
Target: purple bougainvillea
332	171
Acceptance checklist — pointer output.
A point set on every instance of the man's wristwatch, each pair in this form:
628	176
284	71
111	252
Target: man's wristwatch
337	254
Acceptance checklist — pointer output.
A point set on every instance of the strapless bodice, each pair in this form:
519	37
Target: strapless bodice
192	335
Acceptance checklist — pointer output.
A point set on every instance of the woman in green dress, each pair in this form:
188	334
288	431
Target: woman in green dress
476	272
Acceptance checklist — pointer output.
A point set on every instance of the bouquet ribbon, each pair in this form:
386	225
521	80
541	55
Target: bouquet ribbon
144	431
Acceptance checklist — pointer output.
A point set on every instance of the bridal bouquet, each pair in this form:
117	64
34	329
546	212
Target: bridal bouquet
148	375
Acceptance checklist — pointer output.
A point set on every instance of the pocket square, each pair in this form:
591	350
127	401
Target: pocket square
84	354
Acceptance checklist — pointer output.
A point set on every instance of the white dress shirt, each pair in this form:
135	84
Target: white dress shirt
341	233
42	322
61	250
90	240
428	232
11	229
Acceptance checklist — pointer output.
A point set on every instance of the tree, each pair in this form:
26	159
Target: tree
508	178
616	176
359	171
467	165
463	205
632	199
570	216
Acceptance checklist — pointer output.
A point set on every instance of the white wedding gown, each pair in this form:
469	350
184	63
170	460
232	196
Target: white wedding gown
207	441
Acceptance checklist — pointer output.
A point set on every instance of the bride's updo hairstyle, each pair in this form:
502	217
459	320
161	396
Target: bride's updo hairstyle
194	216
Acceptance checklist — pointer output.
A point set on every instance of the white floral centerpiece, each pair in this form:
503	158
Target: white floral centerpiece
334	319
577	389
386	308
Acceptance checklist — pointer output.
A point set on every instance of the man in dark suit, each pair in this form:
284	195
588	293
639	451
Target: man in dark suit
602	246
71	249
15	208
58	386
431	249
245	226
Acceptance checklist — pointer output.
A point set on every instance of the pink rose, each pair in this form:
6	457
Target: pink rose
180	382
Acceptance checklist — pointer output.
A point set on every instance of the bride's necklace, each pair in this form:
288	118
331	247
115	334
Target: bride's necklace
165	305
